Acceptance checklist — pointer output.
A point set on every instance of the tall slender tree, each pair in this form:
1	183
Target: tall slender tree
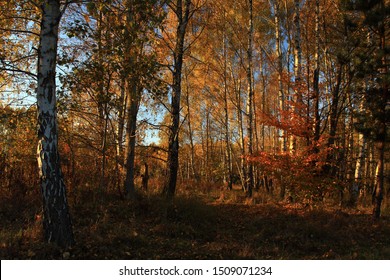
298	99
56	218
249	103
316	77
279	57
182	11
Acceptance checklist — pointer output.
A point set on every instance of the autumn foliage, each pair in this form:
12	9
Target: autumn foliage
259	119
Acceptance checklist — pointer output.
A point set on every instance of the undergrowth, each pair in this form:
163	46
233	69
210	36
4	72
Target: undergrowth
212	225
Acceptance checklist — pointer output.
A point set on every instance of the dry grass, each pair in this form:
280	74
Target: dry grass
213	225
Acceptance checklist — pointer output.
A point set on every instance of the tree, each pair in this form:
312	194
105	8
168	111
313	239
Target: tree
56	218
19	35
360	161
250	102
316	78
182	12
371	67
140	70
113	67
279	57
298	99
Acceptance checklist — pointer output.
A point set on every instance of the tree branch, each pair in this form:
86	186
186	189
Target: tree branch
19	31
19	71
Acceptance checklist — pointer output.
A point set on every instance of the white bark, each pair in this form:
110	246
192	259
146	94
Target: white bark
56	218
359	169
279	55
297	68
249	103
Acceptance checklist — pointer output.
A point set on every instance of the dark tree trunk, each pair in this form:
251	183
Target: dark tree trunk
145	177
56	218
379	180
173	144
329	168
131	128
382	119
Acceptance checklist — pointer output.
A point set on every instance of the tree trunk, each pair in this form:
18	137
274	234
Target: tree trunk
121	121
279	55
182	14
145	177
133	99
103	183
359	169
119	154
379	176
133	95
56	218
316	79
281	95
250	102
194	173
207	148
334	117
384	100
297	71
263	100
228	154
243	173
101	99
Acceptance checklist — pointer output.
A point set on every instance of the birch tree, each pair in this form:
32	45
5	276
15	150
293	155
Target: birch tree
359	168
279	57
297	69
56	218
228	152
249	103
316	77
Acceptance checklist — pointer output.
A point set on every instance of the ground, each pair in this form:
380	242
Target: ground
197	227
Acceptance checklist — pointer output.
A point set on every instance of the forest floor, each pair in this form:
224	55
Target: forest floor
195	228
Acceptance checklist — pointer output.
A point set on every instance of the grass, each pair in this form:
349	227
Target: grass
203	227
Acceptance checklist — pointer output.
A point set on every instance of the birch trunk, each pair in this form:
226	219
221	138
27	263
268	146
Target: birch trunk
228	153
279	55
121	121
101	103
194	173
243	173
297	70
317	121
56	218
250	101
379	175
359	169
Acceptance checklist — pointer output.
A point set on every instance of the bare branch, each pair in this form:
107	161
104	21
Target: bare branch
16	70
19	31
158	148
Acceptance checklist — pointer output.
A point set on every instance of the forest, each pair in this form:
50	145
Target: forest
194	129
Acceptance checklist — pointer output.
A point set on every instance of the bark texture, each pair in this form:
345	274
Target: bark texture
56	218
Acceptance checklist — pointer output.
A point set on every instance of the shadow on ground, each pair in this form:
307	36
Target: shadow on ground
109	228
